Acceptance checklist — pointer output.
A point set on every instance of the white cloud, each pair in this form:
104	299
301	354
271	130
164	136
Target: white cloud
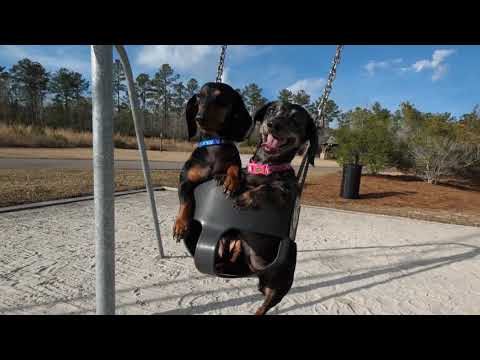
436	63
182	57
200	61
312	86
61	56
372	66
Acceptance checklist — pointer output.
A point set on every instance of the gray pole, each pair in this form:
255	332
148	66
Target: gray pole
139	124
103	177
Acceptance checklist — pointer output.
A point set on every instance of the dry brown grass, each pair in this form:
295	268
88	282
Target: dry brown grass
29	137
21	186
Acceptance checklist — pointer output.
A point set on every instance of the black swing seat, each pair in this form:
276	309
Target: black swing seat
214	215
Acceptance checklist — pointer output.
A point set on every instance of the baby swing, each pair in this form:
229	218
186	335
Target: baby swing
214	214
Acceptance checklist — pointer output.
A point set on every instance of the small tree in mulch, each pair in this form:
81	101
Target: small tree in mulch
366	138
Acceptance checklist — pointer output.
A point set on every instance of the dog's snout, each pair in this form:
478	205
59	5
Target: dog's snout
270	124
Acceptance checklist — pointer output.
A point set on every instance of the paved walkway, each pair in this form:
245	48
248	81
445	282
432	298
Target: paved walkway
83	164
348	263
322	167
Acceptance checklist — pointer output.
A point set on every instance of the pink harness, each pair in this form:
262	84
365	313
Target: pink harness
266	169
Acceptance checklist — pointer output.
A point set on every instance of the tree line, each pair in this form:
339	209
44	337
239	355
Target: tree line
431	145
32	96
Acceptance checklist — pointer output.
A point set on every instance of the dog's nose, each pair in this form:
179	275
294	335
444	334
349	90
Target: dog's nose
269	124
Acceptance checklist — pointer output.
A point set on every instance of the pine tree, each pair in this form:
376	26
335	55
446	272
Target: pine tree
252	95
285	95
162	86
30	82
118	86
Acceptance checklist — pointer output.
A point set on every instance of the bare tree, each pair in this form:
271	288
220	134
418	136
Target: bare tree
442	156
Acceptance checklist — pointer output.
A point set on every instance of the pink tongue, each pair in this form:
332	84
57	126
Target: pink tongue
272	143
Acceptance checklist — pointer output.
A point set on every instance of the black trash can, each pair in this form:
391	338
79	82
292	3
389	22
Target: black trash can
350	187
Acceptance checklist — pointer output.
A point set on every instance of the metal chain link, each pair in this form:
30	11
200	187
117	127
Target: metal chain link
221	63
302	172
328	88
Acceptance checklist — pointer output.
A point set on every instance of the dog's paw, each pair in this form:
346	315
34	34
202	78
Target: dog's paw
260	311
231	185
180	229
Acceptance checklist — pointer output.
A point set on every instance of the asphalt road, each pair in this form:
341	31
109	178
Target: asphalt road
6	163
83	164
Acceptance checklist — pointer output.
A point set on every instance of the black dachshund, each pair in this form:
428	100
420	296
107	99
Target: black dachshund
285	128
220	117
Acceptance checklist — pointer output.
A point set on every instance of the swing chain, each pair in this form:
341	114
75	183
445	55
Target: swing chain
303	170
328	88
221	63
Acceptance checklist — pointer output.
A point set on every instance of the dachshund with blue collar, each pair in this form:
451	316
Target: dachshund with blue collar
218	117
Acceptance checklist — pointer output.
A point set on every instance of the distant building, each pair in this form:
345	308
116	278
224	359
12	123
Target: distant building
327	143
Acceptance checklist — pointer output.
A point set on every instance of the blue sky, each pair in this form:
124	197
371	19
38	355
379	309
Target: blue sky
435	78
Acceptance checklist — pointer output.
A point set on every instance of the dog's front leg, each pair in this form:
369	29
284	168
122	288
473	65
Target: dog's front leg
189	179
182	221
230	179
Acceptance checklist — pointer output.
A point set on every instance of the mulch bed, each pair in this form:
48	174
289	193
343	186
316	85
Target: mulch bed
454	201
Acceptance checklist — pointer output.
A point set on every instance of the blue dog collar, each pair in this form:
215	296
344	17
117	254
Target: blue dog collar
210	142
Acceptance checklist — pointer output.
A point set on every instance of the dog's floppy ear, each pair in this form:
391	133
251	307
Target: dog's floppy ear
190	113
312	134
260	113
240	120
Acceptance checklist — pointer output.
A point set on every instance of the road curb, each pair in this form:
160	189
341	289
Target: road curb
42	204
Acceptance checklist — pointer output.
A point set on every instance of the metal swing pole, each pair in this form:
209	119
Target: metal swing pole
139	123
103	178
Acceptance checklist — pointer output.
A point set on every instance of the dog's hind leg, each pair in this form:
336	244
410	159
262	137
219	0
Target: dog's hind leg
275	284
272	298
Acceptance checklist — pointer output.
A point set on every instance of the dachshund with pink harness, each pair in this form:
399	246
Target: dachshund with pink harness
269	178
